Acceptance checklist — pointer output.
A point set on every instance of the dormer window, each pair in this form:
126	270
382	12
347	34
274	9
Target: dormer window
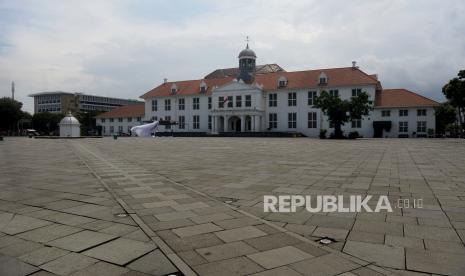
174	89
203	87
323	79
282	82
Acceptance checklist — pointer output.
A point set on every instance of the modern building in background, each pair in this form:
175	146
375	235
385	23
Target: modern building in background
64	102
267	98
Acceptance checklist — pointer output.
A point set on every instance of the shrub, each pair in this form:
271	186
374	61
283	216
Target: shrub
323	133
354	135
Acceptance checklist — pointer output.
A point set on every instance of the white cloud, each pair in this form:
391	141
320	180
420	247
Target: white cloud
124	48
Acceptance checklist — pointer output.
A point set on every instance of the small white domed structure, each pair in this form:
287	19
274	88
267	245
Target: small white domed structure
70	126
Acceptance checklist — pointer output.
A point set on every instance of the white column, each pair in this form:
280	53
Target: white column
226	125
213	130
242	123
253	124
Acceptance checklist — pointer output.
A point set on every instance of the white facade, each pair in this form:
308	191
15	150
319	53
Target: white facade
258	116
407	121
118	125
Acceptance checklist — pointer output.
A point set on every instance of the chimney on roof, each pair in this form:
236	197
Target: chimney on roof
354	64
165	80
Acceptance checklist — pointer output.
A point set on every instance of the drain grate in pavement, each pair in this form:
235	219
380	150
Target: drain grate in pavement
326	240
227	200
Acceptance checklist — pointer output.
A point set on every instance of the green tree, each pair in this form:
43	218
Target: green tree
88	121
46	122
454	91
10	113
341	111
445	115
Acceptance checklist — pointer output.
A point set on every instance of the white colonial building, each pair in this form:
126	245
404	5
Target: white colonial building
266	98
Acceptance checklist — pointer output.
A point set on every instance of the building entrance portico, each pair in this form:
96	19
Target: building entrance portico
236	122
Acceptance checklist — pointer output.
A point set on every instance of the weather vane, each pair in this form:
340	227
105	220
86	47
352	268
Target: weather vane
247	40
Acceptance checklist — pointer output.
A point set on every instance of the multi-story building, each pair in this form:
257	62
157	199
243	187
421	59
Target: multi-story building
267	98
64	102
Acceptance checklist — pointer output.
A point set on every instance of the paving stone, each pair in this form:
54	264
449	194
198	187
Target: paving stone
280	271
238	234
226	251
175	215
154	263
331	222
452	247
404	242
335	233
81	240
48	233
10	266
137	235
196	230
20	248
211	217
19	224
235	266
435	262
431	233
304	230
68	264
101	269
366	237
272	241
383	255
120	251
279	257
68	219
119	229
191	257
8	240
238	222
189	243
379	227
326	265
43	255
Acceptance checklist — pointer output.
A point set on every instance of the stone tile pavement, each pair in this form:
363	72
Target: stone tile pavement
195	206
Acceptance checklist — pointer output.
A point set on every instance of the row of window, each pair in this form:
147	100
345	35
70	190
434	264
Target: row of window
98	99
181	104
228	101
292	120
120	119
182	121
403	113
421	126
312	95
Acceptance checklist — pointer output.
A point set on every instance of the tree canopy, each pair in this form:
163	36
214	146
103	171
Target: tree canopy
10	113
454	91
46	122
445	115
341	111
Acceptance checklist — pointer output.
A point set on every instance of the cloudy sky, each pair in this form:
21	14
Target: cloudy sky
125	48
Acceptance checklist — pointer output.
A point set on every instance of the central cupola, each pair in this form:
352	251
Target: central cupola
247	59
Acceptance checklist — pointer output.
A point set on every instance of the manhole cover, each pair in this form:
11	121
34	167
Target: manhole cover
326	240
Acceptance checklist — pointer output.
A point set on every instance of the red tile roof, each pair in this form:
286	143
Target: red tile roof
346	76
132	110
401	98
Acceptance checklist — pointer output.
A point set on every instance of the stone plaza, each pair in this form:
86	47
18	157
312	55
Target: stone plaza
194	206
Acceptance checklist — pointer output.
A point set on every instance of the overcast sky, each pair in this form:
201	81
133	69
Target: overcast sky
125	48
